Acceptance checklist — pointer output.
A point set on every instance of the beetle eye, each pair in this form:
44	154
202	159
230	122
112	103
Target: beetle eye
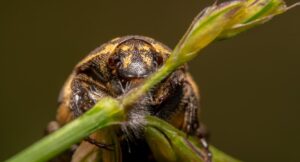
114	61
158	59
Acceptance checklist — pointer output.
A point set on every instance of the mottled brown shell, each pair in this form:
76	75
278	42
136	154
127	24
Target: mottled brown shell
175	99
103	52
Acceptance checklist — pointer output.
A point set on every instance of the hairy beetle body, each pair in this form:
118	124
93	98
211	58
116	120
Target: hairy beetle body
115	68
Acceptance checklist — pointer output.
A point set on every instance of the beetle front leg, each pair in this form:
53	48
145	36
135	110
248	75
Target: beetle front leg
85	93
198	130
191	125
202	135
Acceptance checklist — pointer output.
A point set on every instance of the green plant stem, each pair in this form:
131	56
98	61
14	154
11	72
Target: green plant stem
202	31
134	95
218	21
107	112
173	146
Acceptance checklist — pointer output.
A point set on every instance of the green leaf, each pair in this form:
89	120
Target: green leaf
204	29
180	147
254	12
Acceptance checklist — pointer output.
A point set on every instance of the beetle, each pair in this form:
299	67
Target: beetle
113	69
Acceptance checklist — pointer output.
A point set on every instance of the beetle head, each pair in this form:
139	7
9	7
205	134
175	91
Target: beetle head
134	59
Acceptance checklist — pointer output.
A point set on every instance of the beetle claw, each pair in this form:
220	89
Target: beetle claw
109	147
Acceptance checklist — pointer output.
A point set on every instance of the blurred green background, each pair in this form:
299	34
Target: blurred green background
249	84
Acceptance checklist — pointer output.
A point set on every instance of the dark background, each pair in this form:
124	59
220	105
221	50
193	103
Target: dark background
249	84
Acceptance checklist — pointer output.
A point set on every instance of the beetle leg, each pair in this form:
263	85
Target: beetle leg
208	157
202	134
85	94
100	145
191	108
52	126
192	126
